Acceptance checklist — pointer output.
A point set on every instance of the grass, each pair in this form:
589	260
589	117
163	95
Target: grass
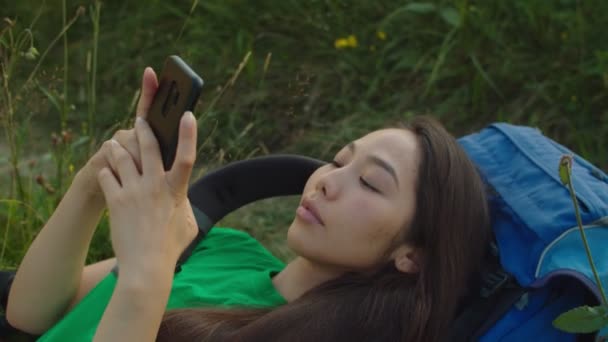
276	82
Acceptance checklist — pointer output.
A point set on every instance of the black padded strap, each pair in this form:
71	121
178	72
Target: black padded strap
224	190
188	251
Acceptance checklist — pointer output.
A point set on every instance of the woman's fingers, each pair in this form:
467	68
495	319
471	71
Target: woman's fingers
128	140
108	183
122	162
149	86
185	156
151	161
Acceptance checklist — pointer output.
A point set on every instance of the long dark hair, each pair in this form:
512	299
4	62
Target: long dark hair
451	227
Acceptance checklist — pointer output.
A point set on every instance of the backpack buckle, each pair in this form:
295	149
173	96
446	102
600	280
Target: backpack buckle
494	281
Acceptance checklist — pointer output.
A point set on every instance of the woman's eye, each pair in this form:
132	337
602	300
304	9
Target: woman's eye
367	185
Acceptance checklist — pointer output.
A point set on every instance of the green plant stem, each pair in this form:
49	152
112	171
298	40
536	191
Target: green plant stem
6	230
46	51
181	31
11	205
38	14
584	237
64	110
64	107
228	84
93	71
261	83
9	131
446	46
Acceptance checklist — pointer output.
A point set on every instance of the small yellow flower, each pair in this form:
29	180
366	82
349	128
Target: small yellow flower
348	42
352	41
564	36
71	168
340	43
381	35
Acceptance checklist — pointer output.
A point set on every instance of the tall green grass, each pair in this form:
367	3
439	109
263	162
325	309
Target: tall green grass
284	76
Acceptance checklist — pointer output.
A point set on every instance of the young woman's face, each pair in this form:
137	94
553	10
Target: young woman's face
352	211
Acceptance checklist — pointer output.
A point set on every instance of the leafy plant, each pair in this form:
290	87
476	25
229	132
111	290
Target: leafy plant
530	62
582	319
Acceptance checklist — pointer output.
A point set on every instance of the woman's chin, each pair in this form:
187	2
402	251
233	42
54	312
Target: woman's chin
299	238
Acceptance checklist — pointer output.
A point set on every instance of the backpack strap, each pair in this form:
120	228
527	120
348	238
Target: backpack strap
497	295
496	292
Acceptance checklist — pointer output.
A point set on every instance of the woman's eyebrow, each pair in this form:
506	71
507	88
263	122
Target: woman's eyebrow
378	161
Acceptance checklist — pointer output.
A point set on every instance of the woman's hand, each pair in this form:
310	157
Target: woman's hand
148	208
127	138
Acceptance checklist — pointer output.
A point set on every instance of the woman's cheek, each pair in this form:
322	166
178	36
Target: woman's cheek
374	217
361	211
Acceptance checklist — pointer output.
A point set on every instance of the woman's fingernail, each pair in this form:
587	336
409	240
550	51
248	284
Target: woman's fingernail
190	120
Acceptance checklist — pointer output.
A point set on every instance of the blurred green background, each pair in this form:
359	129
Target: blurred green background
284	76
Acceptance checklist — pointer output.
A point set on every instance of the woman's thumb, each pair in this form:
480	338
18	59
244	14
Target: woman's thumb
185	156
149	86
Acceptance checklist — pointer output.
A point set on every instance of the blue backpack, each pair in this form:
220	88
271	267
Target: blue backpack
544	268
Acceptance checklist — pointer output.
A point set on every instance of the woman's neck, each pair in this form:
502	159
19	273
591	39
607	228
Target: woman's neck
301	275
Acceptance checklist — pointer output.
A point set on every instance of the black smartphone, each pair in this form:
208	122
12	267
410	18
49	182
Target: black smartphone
178	91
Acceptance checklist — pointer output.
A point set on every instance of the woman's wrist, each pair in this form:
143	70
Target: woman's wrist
86	184
153	276
148	266
136	308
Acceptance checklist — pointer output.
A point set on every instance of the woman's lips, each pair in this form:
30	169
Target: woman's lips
308	212
307	215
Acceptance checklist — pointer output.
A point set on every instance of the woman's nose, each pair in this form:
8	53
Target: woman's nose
328	185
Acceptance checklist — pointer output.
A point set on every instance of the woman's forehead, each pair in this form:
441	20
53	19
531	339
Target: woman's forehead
391	141
398	147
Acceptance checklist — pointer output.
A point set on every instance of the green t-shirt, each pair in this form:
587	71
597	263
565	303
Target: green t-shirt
227	268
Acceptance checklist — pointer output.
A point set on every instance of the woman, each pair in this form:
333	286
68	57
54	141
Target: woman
389	238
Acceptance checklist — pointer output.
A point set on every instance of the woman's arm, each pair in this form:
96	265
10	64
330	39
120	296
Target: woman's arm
148	230
49	275
137	305
92	275
48	280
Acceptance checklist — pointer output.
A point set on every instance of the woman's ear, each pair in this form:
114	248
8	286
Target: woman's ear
407	259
